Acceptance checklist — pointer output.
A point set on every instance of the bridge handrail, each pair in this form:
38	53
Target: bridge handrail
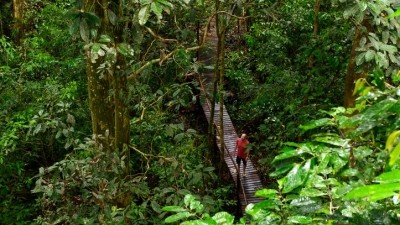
225	148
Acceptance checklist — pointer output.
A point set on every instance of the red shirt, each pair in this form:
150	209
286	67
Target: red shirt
241	144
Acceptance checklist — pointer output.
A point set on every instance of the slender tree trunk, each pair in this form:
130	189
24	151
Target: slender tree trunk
1	25
311	59
352	75
220	71
18	14
211	129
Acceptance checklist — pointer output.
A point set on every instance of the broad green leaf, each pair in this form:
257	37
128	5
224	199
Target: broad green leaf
75	26
167	190
268	204
105	39
223	218
166	3
312	192
369	55
155	206
394	58
352	11
156	8
363	41
123	48
388	48
285	155
316	181
173	208
363	5
188	199
337	162
374	42
360	58
294	179
388	177
196	205
267	193
394	155
303	201
332	139
300	219
317	123
179	137
381	60
350	173
395	14
391	140
84	31
339	192
323	161
112	17
169	131
374	192
144	15
178	216
385	36
281	170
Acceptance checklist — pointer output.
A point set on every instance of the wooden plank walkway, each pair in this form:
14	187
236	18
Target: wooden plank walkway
247	185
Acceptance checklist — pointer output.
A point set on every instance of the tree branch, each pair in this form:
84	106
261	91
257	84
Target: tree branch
195	48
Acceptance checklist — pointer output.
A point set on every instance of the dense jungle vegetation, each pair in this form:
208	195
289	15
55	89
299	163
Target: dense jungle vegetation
100	120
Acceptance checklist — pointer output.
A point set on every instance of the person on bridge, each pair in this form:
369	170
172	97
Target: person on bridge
241	152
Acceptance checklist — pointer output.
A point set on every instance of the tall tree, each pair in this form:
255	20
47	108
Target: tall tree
107	88
18	14
374	43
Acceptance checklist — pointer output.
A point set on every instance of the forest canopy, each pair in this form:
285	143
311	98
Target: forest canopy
101	122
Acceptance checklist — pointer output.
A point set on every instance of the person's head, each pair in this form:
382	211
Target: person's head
244	136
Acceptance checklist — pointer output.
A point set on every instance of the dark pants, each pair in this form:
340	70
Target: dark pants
238	159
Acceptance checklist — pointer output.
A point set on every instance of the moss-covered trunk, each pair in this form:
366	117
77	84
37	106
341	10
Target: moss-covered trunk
108	89
18	14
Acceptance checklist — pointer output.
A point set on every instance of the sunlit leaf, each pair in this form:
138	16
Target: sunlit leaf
266	193
394	155
374	192
389	177
156	8
391	140
178	216
300	219
173	209
144	14
294	179
223	218
332	139
317	123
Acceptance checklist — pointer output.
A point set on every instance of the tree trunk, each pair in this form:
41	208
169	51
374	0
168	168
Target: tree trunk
220	70
109	112
311	60
18	14
352	75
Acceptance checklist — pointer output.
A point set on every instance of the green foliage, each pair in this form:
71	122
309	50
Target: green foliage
192	213
333	171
